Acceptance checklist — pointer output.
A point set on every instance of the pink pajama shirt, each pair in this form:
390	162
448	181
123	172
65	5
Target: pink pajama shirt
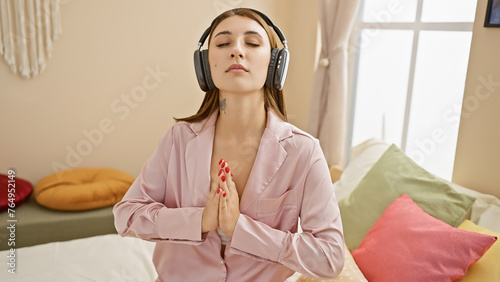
289	180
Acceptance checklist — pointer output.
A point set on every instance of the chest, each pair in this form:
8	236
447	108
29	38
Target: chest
239	155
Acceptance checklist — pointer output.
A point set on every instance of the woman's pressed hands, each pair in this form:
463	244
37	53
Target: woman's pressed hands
229	202
210	217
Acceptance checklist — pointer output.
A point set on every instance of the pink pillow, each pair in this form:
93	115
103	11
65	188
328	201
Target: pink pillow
407	244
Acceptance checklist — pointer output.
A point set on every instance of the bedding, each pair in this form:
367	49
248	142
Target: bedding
485	210
408	244
37	225
113	258
391	176
98	258
487	267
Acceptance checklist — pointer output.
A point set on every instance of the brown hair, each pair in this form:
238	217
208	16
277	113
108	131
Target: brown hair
273	98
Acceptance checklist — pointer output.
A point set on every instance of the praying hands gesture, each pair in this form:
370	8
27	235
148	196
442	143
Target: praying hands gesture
222	208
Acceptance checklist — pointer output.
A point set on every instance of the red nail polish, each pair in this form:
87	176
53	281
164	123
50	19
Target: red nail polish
221	160
227	169
231	175
223	164
220	171
223	178
218	191
224	194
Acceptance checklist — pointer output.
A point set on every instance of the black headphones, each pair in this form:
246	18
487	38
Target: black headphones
278	65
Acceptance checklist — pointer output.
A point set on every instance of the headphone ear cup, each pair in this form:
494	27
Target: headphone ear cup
206	70
198	68
281	69
271	71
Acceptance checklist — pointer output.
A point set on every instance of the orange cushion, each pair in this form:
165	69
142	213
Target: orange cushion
82	188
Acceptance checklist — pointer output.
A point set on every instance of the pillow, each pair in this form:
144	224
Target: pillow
22	190
350	272
363	157
391	176
486	209
488	267
82	188
407	244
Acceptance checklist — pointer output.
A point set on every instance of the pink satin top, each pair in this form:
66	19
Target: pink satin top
289	180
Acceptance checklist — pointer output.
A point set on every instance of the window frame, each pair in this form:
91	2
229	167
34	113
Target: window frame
417	26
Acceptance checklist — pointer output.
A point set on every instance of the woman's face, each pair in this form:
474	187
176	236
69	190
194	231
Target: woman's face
239	54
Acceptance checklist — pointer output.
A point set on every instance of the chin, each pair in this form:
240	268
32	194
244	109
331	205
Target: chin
236	86
239	88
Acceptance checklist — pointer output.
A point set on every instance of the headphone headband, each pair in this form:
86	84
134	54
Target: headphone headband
278	31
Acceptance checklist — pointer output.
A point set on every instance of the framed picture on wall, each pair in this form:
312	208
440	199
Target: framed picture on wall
492	14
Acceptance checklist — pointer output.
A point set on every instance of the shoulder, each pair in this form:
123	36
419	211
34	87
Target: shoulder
293	139
192	129
286	132
302	135
301	141
182	132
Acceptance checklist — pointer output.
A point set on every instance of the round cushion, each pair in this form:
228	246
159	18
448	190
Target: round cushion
22	191
82	188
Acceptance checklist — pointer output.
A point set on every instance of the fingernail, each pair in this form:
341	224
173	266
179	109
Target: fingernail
224	194
221	160
220	171
223	178
227	169
231	175
223	164
218	191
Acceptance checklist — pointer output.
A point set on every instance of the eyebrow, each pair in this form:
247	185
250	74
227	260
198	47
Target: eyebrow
224	32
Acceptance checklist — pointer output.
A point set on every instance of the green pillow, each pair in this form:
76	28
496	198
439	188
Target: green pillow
393	175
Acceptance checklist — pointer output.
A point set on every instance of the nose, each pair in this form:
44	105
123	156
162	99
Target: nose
237	52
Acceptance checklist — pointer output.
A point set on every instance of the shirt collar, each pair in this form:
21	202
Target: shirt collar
276	126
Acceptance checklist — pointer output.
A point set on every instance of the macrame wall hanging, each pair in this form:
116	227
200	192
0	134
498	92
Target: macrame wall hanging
27	29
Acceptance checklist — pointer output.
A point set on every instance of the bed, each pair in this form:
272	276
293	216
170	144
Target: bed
38	225
113	258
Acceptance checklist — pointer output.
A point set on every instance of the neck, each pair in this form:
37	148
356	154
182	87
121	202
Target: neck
241	115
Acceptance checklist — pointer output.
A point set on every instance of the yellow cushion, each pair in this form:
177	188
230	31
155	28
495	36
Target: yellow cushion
82	188
487	268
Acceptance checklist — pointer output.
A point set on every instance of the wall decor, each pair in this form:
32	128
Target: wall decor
492	14
27	30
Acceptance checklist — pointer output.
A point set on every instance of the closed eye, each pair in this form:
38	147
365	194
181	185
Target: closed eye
222	44
253	44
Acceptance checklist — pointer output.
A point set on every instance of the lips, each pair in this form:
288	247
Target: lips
236	68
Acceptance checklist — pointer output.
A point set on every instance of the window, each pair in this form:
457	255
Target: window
410	75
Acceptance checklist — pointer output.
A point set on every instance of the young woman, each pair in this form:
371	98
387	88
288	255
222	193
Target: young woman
223	192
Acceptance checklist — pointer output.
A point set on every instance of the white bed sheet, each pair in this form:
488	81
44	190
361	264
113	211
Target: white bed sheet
106	258
99	258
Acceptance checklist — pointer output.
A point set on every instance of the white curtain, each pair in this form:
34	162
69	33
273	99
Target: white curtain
27	29
328	113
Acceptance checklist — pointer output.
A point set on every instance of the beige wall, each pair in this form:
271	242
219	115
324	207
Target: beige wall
119	73
477	162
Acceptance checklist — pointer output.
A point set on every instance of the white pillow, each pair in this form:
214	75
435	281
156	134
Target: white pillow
363	157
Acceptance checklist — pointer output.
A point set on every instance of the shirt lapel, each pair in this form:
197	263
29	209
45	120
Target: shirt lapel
268	161
198	158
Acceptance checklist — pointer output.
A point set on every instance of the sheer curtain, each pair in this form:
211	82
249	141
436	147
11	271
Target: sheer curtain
328	113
